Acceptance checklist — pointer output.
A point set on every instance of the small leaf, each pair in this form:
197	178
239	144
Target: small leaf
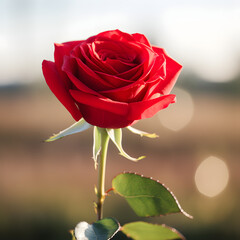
77	127
141	133
96	144
116	137
101	230
146	197
148	231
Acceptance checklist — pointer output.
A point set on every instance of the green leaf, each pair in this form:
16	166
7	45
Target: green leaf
116	137
146	197
77	127
148	231
142	133
101	230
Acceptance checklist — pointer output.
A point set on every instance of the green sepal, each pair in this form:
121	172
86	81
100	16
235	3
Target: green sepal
116	137
77	127
97	142
142	133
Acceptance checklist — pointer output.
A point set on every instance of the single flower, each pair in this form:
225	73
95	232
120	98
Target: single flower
113	79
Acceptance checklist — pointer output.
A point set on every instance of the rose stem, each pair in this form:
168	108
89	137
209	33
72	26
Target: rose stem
101	173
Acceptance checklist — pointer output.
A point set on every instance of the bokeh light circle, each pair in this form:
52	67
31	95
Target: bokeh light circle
211	176
179	114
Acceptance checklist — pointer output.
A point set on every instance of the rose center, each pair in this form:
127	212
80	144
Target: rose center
106	50
115	56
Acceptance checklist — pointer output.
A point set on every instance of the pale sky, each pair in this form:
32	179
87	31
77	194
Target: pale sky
203	36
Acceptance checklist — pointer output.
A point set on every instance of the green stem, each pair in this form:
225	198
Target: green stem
101	173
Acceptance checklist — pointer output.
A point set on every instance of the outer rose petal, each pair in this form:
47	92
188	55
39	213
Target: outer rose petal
104	119
115	35
172	72
102	112
105	113
141	38
102	103
57	86
146	109
63	49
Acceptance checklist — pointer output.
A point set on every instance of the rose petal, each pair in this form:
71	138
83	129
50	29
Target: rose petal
62	49
124	51
102	112
172	72
68	67
134	91
158	69
141	38
57	86
119	65
82	72
102	103
133	74
130	93
88	55
116	35
156	77
147	59
102	52
152	87
147	55
148	108
114	80
104	119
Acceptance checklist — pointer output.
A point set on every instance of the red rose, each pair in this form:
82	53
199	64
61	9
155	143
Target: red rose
112	79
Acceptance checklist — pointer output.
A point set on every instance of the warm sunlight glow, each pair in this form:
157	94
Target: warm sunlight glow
212	176
179	114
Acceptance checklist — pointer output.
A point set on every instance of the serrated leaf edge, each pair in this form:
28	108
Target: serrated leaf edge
178	204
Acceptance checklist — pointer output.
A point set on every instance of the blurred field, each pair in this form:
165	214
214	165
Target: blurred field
46	188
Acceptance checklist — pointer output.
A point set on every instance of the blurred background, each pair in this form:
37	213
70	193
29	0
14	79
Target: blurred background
47	188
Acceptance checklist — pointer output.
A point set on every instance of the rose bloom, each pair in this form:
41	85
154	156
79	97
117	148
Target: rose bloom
112	79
